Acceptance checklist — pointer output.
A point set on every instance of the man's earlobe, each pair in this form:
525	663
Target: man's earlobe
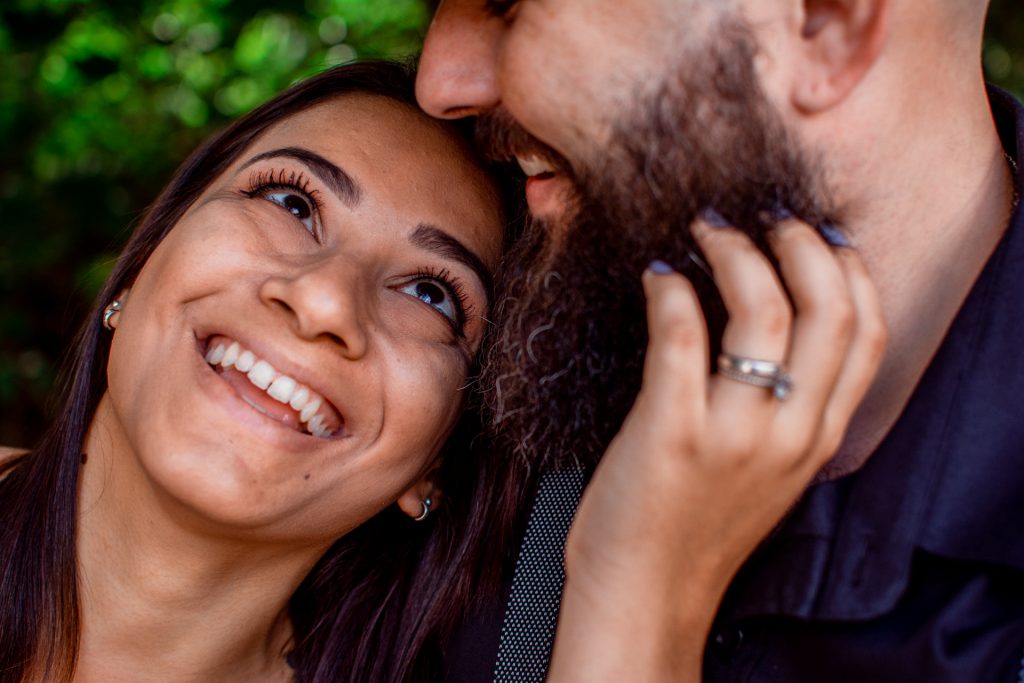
842	40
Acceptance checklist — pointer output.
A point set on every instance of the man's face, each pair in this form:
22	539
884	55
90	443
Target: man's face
643	131
564	70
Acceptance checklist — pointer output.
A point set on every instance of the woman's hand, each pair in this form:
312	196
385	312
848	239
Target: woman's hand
705	466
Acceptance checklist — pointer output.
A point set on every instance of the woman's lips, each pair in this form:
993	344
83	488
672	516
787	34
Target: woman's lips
270	392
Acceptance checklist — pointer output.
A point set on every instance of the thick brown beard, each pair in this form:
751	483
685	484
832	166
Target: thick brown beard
499	137
566	360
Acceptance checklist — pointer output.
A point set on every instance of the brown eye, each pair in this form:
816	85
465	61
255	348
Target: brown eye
434	295
295	204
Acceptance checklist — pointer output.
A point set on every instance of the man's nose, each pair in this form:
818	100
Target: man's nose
457	69
323	302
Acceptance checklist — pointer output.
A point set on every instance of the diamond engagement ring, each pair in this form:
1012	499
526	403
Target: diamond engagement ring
759	373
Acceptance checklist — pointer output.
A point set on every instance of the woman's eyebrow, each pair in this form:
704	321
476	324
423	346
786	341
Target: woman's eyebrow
433	238
340	182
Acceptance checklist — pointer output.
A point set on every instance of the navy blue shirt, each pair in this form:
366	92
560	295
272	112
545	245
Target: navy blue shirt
912	569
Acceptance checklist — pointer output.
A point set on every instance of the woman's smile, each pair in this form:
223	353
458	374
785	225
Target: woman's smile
330	292
231	406
279	396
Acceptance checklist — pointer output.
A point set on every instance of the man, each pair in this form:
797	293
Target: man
906	561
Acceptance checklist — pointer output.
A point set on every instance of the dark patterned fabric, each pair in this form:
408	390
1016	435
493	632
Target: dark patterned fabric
528	632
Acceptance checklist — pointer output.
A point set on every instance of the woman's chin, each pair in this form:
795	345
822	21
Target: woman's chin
228	495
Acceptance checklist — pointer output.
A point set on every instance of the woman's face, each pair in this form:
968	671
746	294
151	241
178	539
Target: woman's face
293	354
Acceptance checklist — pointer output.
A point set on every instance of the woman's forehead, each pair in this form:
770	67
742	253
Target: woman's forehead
362	124
398	157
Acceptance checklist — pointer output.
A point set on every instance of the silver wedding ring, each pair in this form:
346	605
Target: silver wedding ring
759	373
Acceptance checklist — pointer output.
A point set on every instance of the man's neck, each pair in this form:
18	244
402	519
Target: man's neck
935	208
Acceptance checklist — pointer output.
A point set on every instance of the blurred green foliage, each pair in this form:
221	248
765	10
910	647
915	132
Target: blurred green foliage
101	99
1003	55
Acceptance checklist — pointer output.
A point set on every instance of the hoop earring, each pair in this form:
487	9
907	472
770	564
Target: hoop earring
113	308
426	511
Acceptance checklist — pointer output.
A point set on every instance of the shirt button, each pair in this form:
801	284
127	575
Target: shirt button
727	642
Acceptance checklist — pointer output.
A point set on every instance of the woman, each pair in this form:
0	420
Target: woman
258	405
256	410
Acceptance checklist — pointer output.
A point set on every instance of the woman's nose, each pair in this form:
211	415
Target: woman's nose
323	302
456	75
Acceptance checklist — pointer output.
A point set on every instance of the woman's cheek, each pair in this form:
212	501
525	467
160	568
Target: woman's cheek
427	395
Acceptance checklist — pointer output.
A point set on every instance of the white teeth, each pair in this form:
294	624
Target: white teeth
245	361
317	427
262	374
299	398
533	166
309	410
315	423
231	355
214	356
282	388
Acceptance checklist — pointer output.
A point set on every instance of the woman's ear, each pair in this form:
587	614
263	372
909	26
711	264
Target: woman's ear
422	498
112	313
840	41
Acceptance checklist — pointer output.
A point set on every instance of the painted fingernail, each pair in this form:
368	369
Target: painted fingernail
832	235
780	212
713	218
659	267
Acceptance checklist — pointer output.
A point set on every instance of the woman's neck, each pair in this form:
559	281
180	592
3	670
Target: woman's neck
163	600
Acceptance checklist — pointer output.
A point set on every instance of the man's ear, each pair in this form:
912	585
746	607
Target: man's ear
424	496
841	40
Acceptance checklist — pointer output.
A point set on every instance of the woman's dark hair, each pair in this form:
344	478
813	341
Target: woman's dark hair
380	602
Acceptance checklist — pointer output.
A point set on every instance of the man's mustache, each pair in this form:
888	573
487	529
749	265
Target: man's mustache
500	138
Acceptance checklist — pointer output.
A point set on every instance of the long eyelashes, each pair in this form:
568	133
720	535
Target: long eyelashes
262	182
282	178
455	289
500	8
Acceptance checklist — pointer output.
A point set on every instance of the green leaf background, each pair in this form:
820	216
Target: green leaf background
99	102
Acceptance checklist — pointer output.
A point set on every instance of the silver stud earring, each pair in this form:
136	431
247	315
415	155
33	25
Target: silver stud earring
426	511
114	307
